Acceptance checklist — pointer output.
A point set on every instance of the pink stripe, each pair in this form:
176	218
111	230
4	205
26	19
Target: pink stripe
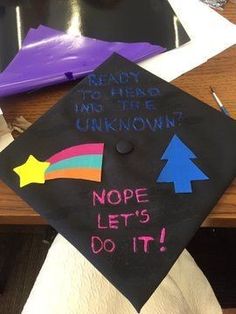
85	149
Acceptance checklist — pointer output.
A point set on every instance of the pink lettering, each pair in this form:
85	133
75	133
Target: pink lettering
134	245
98	245
126	217
141	196
101	199
146	240
163	235
96	240
113	222
128	194
115	197
145	216
99	223
107	243
112	194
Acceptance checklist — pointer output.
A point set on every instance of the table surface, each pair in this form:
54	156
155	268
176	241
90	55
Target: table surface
219	72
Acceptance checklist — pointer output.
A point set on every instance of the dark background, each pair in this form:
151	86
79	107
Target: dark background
113	20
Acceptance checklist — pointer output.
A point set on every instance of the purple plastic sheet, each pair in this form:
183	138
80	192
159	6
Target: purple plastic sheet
49	56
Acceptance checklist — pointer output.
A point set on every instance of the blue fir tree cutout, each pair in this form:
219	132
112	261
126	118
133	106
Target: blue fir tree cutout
179	168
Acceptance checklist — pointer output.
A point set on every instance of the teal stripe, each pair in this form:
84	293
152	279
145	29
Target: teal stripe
85	161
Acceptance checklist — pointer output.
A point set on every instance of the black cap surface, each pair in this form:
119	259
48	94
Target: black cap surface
126	167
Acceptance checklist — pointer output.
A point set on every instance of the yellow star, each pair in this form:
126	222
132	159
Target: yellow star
32	171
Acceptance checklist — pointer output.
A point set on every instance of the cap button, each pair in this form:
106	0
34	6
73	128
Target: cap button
124	147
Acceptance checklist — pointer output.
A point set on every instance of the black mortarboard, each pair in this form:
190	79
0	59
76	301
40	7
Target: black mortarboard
126	167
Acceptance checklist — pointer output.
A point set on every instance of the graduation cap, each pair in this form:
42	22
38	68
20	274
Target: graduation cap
126	167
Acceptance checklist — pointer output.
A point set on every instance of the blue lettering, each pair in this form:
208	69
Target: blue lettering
149	105
83	92
80	128
97	108
102	79
179	115
92	80
111	79
134	105
124	77
130	92
124	104
109	125
150	125
89	93
124	125
158	123
116	92
140	92
153	91
106	79
94	126
96	95
87	108
135	75
170	123
77	108
138	124
129	105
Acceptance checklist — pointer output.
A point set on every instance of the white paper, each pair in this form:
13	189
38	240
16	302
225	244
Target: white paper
210	34
5	138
